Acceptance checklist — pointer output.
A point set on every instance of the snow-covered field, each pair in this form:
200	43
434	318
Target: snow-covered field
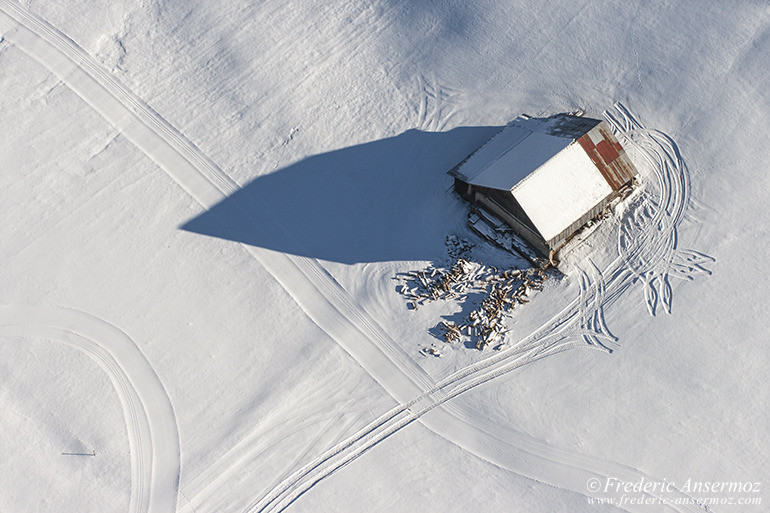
205	205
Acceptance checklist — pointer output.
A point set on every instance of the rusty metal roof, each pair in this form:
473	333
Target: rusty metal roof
608	156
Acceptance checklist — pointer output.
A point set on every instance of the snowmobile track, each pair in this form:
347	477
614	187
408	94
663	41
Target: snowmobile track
647	239
438	104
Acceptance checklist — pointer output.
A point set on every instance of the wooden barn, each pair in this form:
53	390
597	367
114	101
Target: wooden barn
546	177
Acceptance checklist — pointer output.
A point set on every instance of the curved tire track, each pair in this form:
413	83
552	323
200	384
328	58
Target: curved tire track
305	279
152	431
653	256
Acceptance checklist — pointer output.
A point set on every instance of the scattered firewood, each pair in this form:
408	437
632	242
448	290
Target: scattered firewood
503	291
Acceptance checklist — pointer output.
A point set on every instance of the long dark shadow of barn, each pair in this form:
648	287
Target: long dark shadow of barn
379	201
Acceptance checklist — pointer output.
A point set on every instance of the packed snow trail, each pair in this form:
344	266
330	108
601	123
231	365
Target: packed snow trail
153	437
323	299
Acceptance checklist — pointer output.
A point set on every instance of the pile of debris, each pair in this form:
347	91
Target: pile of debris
457	247
435	283
486	324
502	290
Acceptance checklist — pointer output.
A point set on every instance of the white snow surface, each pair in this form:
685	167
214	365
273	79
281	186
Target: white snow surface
205	204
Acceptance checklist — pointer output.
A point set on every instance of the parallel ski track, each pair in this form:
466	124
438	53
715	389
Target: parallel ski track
316	291
152	431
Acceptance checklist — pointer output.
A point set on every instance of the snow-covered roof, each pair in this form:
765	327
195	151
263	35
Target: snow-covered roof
546	169
561	191
510	156
520	148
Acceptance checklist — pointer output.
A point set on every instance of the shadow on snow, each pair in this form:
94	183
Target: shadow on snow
380	201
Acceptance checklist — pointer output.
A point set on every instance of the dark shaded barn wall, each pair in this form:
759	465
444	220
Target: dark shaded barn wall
504	205
524	231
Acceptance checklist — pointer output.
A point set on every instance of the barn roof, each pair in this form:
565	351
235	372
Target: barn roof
520	148
548	172
561	191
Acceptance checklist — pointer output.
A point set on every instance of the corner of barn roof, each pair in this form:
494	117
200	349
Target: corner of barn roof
559	125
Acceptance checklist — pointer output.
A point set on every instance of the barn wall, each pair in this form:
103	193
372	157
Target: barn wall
520	228
463	189
508	201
